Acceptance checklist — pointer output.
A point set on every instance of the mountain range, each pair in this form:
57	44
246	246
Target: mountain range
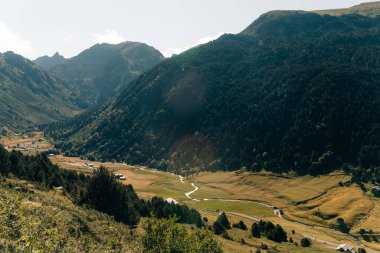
47	62
30	94
53	88
293	91
100	72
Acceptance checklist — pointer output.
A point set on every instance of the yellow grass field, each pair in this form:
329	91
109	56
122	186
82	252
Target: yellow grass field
281	191
277	190
29	144
243	195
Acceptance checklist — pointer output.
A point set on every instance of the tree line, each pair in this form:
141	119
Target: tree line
100	191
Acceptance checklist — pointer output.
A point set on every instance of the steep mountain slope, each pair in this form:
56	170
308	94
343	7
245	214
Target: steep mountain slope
47	62
294	90
99	72
29	94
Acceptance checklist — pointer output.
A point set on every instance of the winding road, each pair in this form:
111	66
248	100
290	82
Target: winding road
276	211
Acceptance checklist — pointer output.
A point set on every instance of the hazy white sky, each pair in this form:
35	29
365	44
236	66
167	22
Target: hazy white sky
43	27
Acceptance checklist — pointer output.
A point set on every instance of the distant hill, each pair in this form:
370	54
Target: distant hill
99	72
294	91
47	62
31	95
371	9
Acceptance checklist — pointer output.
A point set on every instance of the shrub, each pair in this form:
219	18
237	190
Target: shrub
240	225
163	235
305	242
342	226
218	228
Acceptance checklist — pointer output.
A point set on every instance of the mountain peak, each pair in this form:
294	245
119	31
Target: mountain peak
48	62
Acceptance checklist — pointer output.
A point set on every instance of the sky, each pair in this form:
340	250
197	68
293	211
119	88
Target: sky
43	27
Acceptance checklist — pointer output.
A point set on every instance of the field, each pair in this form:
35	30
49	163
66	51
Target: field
310	205
248	196
28	143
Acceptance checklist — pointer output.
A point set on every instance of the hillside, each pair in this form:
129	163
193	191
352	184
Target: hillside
371	9
47	221
99	72
29	94
294	90
48	62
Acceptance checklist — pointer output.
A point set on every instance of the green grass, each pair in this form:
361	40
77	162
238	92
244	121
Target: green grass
40	221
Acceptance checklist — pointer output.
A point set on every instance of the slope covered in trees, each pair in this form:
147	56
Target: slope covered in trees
294	90
98	73
101	191
31	95
36	217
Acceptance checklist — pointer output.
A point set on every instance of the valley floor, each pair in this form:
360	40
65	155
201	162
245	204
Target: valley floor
254	196
309	205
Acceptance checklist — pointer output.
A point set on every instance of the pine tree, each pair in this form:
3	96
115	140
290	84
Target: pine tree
224	220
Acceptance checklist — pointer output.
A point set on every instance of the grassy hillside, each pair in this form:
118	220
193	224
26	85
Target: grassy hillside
31	95
294	90
100	72
298	197
371	9
47	221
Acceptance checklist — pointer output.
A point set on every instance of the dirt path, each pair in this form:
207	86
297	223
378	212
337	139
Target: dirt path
276	211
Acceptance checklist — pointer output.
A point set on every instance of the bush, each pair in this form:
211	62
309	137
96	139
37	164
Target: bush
163	235
218	228
342	226
305	242
269	230
240	225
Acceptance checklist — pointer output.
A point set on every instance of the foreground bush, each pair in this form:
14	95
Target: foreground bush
165	236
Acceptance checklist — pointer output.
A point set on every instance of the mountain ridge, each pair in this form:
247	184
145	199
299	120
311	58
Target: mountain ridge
99	72
48	62
270	97
30	94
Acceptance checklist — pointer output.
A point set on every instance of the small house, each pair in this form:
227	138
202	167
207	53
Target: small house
346	248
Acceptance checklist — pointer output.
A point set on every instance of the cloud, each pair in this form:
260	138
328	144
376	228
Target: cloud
108	36
12	41
170	51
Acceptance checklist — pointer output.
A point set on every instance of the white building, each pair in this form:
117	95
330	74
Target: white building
346	248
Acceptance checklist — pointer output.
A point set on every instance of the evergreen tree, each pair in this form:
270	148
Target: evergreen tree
255	230
218	228
222	219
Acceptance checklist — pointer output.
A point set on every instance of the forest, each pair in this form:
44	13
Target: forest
100	191
294	91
